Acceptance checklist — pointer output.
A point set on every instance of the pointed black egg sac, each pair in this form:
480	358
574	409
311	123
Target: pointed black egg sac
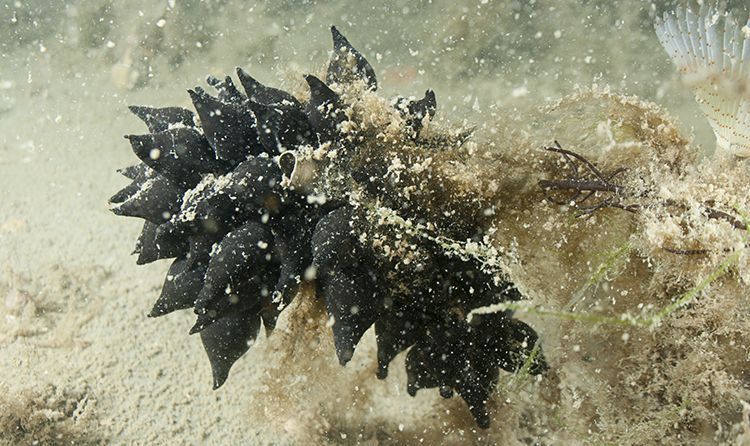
226	90
180	154
454	355
232	195
139	173
348	65
132	172
415	111
228	125
227	339
181	287
261	94
161	119
152	245
293	231
155	200
240	273
281	127
324	110
346	279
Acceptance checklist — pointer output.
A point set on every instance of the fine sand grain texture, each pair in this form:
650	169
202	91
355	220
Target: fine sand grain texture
80	363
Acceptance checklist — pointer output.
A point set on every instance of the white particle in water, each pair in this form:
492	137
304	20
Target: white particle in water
519	91
310	273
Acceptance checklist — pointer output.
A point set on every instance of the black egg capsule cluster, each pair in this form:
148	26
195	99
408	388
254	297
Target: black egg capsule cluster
213	187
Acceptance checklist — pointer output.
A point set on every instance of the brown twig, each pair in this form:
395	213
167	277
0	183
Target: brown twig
579	186
721	215
592	182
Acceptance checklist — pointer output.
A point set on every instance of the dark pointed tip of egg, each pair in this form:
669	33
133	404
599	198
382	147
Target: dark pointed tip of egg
382	372
269	329
141	144
140	140
344	353
139	110
120	210
121	196
245	78
430	97
134	171
212	80
344	347
411	389
340	42
338	72
197	327
196	95
159	119
481	416
446	392
317	86
219	375
162	307
338	38
203	321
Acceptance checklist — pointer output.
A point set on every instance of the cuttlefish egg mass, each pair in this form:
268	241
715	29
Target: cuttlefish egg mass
255	194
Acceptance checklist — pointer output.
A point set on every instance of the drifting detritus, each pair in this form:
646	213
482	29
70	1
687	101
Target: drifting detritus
258	192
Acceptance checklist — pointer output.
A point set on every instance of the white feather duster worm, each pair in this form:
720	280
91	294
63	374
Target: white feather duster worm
712	52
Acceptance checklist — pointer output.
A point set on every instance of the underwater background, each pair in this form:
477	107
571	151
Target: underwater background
80	363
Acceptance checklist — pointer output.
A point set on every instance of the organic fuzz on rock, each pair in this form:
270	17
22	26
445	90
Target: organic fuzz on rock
254	193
